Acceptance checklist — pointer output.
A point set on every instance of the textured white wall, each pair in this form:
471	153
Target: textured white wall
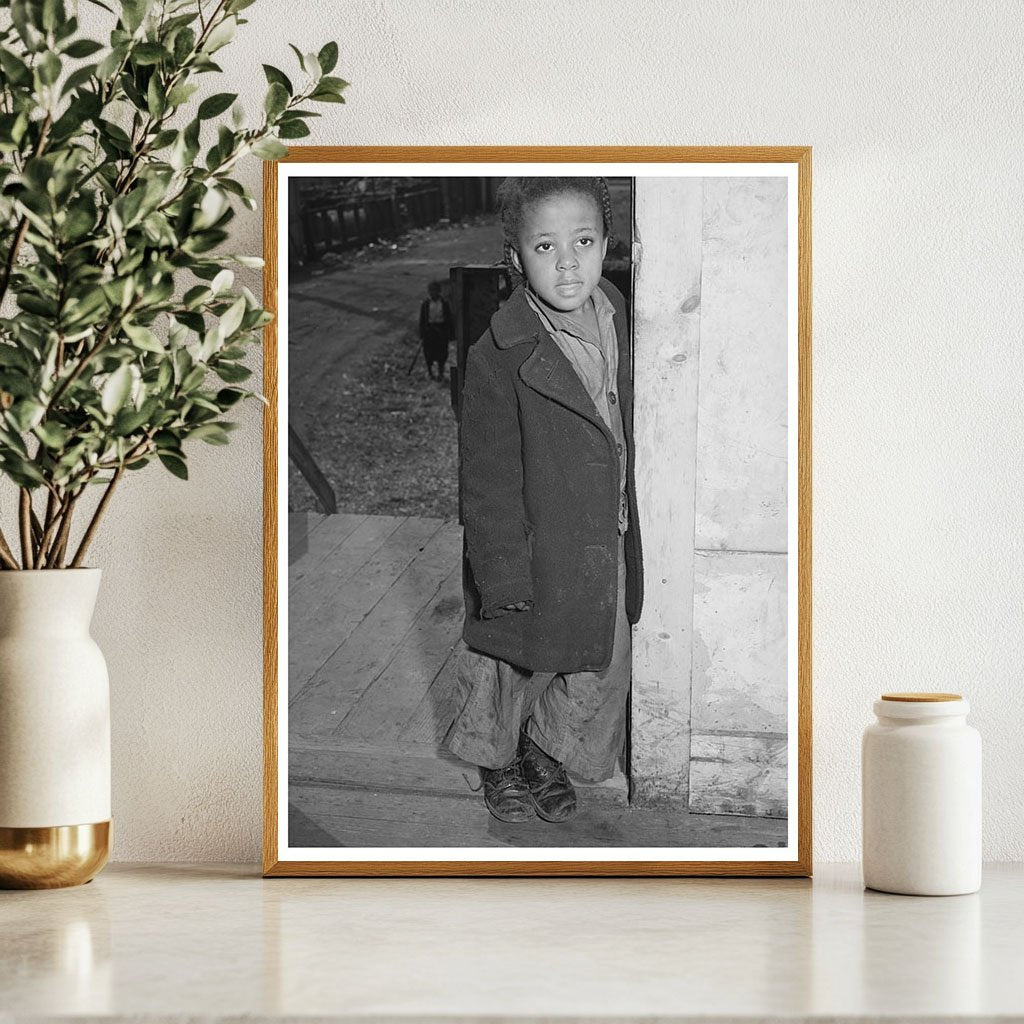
913	110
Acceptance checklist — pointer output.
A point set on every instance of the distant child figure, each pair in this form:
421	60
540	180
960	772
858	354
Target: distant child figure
436	327
553	572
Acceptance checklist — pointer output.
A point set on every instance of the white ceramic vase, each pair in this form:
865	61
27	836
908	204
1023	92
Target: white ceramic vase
54	731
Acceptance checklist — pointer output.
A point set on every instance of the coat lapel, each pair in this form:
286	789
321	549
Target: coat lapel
548	372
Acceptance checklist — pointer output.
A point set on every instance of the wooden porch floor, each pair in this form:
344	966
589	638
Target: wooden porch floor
375	615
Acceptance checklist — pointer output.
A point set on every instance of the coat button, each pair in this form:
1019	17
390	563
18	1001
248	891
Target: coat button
611	397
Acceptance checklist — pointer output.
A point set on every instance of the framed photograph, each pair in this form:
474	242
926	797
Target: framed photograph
538	511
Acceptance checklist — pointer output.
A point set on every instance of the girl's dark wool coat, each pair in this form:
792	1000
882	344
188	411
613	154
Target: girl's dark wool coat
539	476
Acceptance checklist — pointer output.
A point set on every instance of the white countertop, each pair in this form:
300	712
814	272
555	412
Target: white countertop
179	941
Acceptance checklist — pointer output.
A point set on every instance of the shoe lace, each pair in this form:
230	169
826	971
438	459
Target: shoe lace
507	776
500	778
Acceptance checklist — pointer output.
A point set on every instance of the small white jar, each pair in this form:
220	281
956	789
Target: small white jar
921	789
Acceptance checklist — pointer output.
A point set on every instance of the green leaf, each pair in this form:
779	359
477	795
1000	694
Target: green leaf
311	65
26	20
193	379
83	48
232	319
293	130
16	383
184	44
10	355
211	433
49	68
181	94
232	373
11	442
109	65
328	58
163	139
149	53
65	29
77	79
278	77
164	376
185	148
156	100
211	343
211	208
205	271
129	208
167	441
119	291
222	282
193	321
333	84
21	471
53	14
116	390
234	6
227	397
215	105
221	35
269	149
116	134
53	435
322	96
128	421
175	465
38	305
276	100
133	13
14	68
144	338
26	414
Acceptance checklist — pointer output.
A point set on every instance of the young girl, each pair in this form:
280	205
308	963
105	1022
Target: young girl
552	574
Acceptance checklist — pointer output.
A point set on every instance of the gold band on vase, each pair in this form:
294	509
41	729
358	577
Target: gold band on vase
52	857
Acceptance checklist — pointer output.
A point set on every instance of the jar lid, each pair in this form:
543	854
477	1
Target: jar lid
921	698
921	705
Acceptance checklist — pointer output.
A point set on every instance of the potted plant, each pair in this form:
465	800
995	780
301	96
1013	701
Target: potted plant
122	338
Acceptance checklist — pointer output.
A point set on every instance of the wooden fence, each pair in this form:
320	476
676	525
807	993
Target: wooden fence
354	221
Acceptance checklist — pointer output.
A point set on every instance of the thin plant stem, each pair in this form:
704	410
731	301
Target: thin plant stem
87	357
52	524
19	235
61	543
96	517
51	510
37	530
25	519
12	255
6	555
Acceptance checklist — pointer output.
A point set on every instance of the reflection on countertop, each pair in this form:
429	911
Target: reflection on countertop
177	941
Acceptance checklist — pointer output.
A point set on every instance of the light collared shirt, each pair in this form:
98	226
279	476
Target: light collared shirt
588	340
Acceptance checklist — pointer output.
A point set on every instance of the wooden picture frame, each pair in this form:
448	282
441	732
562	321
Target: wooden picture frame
730	179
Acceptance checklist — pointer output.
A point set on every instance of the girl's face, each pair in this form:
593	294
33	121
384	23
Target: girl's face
561	249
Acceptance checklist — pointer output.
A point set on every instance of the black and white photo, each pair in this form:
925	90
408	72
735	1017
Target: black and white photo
542	549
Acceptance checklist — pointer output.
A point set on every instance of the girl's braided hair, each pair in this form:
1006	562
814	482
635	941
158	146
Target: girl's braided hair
515	194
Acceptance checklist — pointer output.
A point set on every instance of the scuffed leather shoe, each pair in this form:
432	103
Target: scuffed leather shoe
553	796
505	792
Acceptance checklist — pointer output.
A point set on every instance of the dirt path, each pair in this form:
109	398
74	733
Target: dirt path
384	438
